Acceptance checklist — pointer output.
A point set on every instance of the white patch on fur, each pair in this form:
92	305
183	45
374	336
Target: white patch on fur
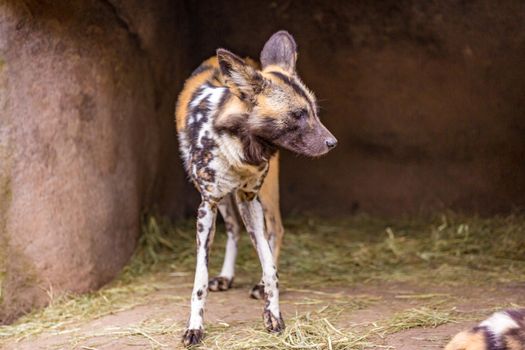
203	94
499	323
215	95
232	150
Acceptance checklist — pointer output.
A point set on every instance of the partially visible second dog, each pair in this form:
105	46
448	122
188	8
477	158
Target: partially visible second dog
504	330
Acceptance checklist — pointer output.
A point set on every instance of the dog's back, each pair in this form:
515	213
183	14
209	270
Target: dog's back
206	73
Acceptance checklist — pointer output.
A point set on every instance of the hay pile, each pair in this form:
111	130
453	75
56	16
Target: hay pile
361	249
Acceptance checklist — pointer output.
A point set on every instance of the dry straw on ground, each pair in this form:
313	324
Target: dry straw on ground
317	254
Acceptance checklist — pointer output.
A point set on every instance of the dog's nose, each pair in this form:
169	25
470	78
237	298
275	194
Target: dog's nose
331	142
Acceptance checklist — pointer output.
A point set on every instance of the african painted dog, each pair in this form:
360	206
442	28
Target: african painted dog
231	119
503	330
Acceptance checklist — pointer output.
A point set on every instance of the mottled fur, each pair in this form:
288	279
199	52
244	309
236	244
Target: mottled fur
231	119
504	330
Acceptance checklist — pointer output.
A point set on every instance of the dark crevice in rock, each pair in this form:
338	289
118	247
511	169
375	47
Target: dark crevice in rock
126	24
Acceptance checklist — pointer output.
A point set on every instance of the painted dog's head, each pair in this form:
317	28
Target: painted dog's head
282	111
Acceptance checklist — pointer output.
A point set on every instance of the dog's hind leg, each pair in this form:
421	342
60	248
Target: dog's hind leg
228	210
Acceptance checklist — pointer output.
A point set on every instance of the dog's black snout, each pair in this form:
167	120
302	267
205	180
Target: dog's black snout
331	143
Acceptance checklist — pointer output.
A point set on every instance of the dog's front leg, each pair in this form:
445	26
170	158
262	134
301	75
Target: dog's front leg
253	216
274	232
207	214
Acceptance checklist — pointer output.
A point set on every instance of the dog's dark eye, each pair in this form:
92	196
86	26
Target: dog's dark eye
300	114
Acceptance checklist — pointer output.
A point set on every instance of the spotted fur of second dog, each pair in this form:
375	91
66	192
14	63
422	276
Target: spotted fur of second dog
504	330
231	119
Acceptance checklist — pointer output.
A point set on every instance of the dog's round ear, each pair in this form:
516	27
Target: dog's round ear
280	50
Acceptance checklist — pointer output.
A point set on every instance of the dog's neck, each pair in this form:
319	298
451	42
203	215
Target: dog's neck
233	119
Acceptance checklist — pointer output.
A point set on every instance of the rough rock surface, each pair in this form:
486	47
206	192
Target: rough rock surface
83	137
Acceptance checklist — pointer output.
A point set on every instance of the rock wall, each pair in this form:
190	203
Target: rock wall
87	139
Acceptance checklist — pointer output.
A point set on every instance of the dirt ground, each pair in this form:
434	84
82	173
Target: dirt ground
229	310
362	283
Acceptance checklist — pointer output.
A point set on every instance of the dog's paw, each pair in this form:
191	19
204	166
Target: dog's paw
257	292
219	283
192	337
273	324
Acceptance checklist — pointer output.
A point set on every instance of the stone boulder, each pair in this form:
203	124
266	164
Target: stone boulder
86	105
